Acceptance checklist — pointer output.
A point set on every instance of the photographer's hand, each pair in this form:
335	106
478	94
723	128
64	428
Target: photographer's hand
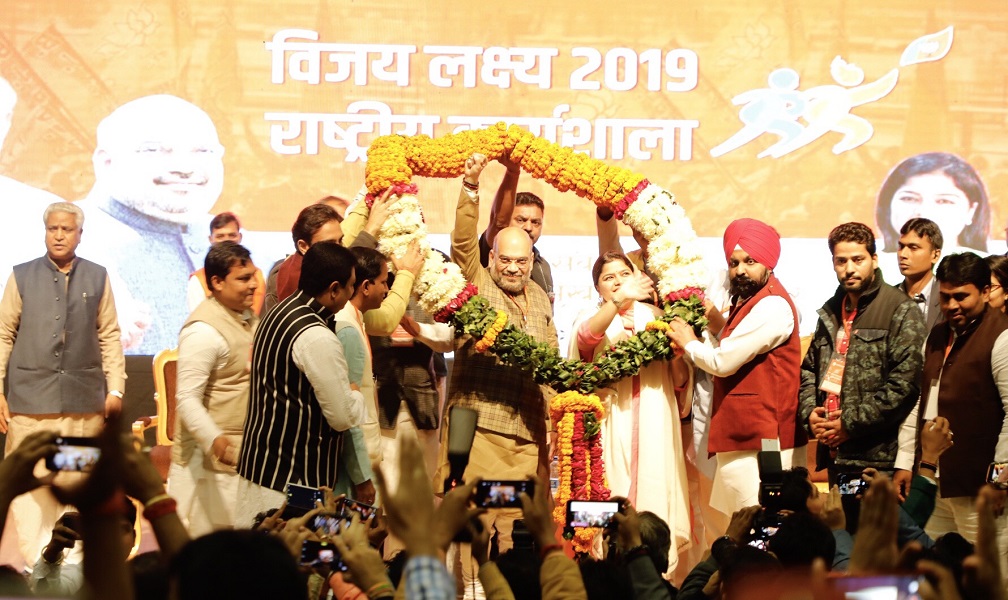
63	537
454	512
480	543
17	468
875	548
410	510
741	524
295	531
365	564
377	531
939	582
982	570
538	515
627	527
833	513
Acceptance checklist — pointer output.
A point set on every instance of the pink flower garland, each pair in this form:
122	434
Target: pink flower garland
629	199
399	189
684	294
445	314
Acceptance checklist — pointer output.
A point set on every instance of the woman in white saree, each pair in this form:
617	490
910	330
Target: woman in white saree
641	432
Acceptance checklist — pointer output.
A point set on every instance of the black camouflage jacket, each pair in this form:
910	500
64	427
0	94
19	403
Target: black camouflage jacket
881	381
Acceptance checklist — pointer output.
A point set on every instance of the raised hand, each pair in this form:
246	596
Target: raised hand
473	167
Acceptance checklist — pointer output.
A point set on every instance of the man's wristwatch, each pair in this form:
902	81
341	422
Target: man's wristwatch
116	393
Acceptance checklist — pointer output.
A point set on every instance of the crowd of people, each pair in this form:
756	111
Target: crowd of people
325	374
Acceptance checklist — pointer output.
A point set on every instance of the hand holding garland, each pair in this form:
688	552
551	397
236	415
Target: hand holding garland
380	210
473	167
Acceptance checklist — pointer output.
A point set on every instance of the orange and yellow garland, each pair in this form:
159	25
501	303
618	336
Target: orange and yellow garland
582	472
395	160
674	254
491	333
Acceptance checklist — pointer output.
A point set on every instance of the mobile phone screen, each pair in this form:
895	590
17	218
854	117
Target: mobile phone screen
764	527
328	523
851	484
502	494
74	454
348	506
301	499
316	554
996	473
591	513
878	586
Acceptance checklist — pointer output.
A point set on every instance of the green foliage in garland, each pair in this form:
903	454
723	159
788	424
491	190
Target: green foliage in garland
592	427
516	348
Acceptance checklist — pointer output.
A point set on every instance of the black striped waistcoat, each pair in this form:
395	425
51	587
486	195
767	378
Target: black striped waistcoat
286	436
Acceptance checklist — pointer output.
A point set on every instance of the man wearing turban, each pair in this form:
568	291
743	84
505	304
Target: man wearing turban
755	364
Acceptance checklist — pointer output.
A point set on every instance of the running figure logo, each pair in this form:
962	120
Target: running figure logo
798	117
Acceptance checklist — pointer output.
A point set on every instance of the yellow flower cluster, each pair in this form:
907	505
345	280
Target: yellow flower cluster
490	335
395	159
584	538
661	326
574	401
565	443
563	407
387	164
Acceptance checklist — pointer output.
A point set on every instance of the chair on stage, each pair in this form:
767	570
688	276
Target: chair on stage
165	366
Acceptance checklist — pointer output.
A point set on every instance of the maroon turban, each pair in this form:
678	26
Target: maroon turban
758	239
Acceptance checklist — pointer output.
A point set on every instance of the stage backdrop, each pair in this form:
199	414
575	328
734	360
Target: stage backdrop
786	111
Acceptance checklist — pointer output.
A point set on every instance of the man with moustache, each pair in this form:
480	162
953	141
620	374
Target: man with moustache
212	391
511	432
61	356
861	375
754	366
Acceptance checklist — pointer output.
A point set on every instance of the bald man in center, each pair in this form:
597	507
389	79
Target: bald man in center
755	360
511	430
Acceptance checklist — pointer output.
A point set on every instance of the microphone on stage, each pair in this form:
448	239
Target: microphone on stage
461	431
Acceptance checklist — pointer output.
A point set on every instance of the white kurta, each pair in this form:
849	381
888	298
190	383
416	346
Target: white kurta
661	485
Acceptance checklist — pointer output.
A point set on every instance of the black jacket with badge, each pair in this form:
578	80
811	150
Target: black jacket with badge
881	380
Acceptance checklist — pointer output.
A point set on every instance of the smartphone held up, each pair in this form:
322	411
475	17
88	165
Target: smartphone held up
79	454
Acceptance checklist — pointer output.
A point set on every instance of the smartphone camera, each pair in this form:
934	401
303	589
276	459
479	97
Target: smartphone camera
74	454
328	524
764	527
997	475
901	587
321	554
348	506
301	499
591	513
502	494
851	484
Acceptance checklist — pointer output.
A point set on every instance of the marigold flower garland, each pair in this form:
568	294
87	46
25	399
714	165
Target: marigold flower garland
673	252
492	332
582	471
